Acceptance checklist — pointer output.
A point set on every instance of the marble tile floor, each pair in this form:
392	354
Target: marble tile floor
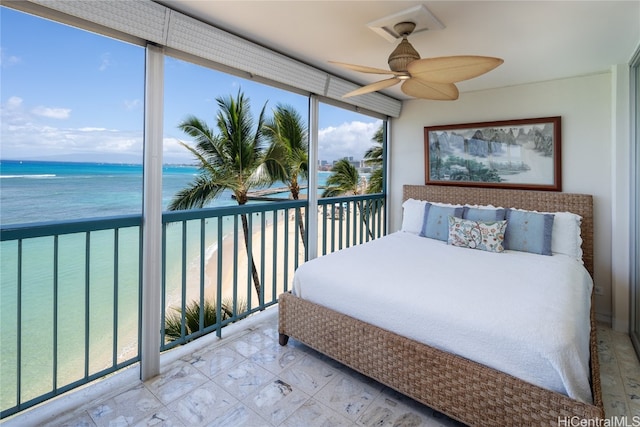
247	379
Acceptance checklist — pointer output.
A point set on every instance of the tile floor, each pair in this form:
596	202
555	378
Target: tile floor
248	379
619	375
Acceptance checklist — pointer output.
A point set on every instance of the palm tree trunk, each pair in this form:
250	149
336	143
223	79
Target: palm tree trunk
364	219
254	270
295	195
294	189
301	226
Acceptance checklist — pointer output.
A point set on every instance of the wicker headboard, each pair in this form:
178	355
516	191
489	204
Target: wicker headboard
544	201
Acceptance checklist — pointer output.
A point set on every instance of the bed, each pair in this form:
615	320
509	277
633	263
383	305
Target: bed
473	392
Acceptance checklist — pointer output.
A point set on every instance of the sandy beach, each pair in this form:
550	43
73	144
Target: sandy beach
274	272
265	242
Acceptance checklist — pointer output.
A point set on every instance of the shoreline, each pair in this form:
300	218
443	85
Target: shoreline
273	271
227	253
270	282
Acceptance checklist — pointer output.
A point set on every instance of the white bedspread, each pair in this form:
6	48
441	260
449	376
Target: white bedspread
520	313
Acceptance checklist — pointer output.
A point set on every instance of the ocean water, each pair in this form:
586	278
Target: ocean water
80	190
33	192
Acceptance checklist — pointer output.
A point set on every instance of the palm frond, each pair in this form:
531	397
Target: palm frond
205	163
197	194
344	179
206	144
291	128
196	128
375	182
173	320
300	163
240	137
275	162
373	156
378	137
286	158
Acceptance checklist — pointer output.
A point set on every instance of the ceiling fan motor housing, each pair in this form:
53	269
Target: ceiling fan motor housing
402	55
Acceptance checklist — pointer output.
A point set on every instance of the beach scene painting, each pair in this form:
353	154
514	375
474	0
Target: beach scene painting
522	154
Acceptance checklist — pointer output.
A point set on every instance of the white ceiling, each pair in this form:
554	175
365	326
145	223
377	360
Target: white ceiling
538	40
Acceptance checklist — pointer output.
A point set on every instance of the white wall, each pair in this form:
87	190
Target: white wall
585	106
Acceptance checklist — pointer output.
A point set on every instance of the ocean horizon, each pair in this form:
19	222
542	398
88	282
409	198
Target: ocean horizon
79	190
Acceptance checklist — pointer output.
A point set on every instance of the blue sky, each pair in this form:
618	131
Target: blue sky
67	94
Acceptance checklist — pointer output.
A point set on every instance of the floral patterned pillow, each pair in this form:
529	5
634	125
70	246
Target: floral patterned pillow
484	235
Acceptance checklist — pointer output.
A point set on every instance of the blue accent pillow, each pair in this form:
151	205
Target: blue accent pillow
477	214
436	220
528	232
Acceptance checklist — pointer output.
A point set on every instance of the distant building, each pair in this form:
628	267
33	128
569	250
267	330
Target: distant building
324	165
360	165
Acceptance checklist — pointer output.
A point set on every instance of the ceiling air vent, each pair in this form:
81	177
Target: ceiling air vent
419	15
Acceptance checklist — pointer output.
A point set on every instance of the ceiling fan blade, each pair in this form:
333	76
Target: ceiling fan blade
373	87
363	69
451	69
429	90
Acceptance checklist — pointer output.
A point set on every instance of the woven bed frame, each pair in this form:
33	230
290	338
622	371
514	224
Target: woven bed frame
464	390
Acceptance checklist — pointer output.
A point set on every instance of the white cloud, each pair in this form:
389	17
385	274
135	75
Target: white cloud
174	152
351	139
25	136
30	139
132	104
90	129
105	61
12	113
52	113
8	60
14	103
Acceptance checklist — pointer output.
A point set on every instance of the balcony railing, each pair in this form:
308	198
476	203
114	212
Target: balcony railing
71	291
209	278
348	221
67	293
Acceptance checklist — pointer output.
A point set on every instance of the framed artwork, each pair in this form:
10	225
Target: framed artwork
520	154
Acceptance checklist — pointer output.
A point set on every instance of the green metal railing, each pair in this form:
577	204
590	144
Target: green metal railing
71	291
220	286
66	290
348	221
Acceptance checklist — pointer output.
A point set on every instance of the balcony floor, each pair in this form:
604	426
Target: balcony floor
247	379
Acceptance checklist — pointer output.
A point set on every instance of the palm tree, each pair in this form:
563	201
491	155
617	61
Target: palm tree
287	157
345	180
231	159
173	321
374	157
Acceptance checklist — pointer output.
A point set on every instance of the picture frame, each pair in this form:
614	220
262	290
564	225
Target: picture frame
520	154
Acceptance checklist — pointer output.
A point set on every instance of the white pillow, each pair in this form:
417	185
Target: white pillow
565	234
413	215
566	238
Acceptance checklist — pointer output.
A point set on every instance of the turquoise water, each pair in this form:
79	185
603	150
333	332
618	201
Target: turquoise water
56	191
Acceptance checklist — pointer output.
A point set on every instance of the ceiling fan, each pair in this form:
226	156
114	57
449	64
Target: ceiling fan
429	78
